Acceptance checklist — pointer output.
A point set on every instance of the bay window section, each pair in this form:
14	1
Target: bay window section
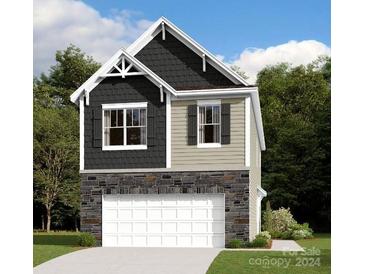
124	128
209	125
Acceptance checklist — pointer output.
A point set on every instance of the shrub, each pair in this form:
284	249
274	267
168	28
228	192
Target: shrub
259	242
87	239
235	243
282	219
281	224
264	234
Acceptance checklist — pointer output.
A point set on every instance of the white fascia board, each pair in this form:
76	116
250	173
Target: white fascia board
152	31
147	36
97	77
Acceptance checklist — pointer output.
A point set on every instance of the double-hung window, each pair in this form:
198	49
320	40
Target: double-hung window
125	126
209	125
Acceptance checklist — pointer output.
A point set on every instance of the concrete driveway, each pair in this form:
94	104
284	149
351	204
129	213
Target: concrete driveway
131	260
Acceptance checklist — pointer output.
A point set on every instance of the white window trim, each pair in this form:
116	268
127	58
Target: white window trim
201	103
123	106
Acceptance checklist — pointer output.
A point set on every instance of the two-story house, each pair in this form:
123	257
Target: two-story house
170	146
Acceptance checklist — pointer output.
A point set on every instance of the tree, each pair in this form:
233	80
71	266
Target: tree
55	154
73	67
56	135
295	104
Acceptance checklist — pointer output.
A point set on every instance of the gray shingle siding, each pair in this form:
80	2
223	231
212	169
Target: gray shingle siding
119	90
180	66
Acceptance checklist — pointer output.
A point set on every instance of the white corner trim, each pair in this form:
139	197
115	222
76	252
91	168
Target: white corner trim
247	131
209	102
125	105
127	147
81	105
168	130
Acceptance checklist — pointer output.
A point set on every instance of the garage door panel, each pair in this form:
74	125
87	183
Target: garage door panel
184	227
155	214
139	240
125	214
125	240
125	227
140	214
111	227
164	220
155	227
200	213
110	214
139	227
155	240
110	240
169	214
184	214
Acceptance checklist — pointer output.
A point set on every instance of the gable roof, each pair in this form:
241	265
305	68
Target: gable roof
102	72
133	49
163	23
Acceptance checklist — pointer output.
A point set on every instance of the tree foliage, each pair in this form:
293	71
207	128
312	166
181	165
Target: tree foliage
295	104
73	67
56	135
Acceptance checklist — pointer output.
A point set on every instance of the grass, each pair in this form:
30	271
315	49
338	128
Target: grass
47	246
267	262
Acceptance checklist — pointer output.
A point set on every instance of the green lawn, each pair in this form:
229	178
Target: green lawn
47	246
266	262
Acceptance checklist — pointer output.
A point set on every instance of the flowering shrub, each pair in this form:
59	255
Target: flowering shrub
281	224
264	234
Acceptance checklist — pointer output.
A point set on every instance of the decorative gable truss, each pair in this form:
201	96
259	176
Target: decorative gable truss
123	69
122	64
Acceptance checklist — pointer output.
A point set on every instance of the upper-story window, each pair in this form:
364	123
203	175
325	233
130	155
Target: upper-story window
209	125
125	126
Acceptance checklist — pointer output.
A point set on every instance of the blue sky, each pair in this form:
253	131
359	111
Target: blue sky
248	34
224	26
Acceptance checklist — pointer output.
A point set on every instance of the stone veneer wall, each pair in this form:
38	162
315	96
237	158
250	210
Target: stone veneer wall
235	185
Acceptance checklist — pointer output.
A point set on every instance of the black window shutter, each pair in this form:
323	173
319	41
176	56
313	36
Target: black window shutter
151	130
192	126
97	130
226	124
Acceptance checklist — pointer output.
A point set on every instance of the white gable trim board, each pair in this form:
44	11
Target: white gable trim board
163	220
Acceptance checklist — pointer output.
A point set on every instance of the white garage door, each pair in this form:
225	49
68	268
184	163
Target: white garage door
163	220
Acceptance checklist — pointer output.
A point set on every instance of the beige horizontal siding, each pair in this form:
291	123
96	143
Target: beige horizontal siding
183	154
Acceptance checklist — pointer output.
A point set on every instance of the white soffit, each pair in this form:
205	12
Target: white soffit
155	28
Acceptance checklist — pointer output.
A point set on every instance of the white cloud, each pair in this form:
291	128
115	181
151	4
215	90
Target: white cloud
57	23
252	60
